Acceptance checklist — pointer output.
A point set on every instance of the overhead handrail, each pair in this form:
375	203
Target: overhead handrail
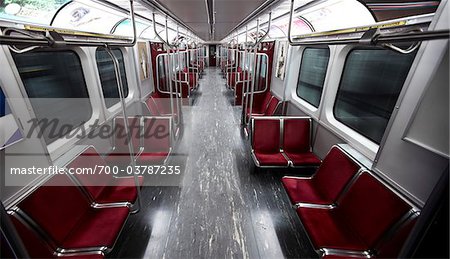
159	36
266	34
127	126
53	39
376	37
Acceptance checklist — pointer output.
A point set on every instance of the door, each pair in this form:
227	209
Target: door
212	55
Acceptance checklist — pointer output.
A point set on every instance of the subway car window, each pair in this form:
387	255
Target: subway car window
312	73
369	88
4	107
105	67
55	84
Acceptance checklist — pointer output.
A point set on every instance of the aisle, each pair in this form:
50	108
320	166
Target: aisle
223	208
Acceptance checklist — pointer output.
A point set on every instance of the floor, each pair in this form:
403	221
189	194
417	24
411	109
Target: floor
223	207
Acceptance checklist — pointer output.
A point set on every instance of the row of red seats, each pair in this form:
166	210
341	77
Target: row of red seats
263	105
151	138
75	215
282	142
348	212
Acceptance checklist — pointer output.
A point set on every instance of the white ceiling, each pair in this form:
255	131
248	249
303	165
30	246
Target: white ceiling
228	14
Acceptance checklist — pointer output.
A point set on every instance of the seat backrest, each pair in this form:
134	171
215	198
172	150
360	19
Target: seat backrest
94	183
57	206
260	102
296	135
120	135
34	244
266	135
152	106
162	102
272	107
157	134
370	209
335	172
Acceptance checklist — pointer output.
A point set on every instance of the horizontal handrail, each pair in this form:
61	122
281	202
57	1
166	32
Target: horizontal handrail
53	38
371	35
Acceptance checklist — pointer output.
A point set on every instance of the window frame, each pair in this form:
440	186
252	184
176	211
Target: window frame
112	109
56	144
295	59
310	105
333	106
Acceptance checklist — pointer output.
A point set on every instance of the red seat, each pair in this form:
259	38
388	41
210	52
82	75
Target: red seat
104	188
157	140
36	246
336	170
362	217
121	153
272	106
266	143
266	107
297	142
65	215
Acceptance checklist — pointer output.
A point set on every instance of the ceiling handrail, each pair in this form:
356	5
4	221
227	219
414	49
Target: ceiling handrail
53	38
371	36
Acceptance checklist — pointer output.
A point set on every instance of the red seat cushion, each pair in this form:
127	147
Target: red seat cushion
152	158
62	211
102	187
303	159
302	190
97	227
122	189
37	247
276	159
360	219
327	230
336	170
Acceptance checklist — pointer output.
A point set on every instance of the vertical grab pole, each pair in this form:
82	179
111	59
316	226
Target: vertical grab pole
255	62
255	59
170	70
178	84
246	71
237	59
127	130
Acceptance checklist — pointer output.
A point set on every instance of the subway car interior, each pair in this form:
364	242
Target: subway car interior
224	128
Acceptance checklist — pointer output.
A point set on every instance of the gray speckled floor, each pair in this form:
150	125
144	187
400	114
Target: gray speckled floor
224	208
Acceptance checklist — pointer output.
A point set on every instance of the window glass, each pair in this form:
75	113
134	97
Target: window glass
4	107
263	66
369	88
55	84
9	130
312	74
107	73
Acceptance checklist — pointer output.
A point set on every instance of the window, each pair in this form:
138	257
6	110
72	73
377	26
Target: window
9	130
4	107
107	73
369	88
312	74
55	84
